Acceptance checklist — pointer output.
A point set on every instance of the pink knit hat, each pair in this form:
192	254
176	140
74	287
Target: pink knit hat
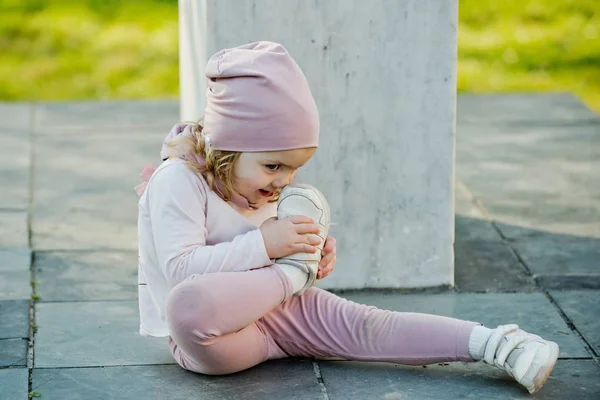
258	99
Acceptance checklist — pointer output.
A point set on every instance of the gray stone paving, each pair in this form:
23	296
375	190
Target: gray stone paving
289	379
13	353
14	164
15	274
77	191
583	309
14	383
85	276
14	315
527	242
84	334
351	380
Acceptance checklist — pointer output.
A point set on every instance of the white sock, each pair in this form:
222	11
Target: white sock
478	340
296	275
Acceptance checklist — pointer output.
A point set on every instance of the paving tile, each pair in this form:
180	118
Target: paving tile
542	108
583	308
14	383
568	281
94	334
353	380
469	221
85	198
482	262
13	353
14	315
537	183
284	379
534	178
15	115
488	266
547	253
75	276
15	276
468	228
13	229
531	311
14	165
73	117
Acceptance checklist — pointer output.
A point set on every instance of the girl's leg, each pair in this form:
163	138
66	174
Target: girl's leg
213	330
212	319
321	324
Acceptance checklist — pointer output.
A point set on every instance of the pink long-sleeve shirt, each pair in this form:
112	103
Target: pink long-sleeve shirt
185	228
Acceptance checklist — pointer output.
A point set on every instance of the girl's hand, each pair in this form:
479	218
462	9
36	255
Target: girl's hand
287	236
328	261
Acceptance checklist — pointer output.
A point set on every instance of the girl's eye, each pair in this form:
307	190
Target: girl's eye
272	167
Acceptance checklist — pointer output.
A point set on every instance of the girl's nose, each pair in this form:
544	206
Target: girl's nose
283	180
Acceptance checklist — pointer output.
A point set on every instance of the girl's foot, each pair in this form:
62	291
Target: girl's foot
305	200
527	358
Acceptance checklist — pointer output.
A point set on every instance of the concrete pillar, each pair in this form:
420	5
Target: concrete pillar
193	56
383	75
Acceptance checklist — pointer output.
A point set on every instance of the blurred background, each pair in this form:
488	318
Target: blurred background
128	49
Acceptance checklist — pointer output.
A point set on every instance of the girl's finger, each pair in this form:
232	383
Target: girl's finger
327	268
307	228
329	247
304	248
329	244
314	240
301	219
326	260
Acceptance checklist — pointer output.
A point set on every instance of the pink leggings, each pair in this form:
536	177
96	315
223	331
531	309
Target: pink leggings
227	322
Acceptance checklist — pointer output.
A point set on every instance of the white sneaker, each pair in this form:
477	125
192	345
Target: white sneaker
300	199
527	358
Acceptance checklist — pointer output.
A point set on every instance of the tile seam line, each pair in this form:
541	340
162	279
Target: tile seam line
52	128
588	358
100	134
588	347
15	364
88	250
133	299
30	207
465	122
320	381
42	301
324	390
17	367
105	366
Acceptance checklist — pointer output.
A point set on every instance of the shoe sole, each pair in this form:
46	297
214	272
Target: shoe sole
544	371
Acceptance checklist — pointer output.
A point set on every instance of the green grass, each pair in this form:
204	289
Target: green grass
117	49
94	49
530	45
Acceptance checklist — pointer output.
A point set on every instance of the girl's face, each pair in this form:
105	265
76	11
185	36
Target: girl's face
259	177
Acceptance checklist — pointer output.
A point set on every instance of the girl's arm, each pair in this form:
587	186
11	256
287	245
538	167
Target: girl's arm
177	212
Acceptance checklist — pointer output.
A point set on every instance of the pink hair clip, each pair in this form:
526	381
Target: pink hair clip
146	174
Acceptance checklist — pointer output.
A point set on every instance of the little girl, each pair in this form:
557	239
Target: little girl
230	251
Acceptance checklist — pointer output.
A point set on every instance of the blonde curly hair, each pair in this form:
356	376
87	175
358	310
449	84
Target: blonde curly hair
219	163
